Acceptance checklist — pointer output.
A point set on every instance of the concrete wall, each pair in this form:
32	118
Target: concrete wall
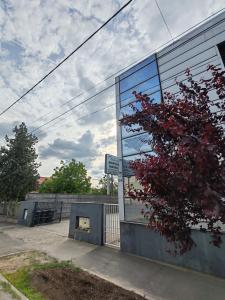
30	208
68	199
140	240
94	212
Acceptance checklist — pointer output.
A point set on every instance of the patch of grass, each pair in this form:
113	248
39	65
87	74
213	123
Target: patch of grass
8	289
56	265
21	279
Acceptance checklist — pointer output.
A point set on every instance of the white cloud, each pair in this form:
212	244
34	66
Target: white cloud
36	34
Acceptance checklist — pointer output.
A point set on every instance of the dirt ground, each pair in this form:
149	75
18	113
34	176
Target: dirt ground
64	283
12	263
67	284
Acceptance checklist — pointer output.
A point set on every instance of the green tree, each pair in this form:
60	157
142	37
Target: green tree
68	178
18	166
101	189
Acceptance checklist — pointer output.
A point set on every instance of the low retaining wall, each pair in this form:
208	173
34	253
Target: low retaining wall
68	199
140	240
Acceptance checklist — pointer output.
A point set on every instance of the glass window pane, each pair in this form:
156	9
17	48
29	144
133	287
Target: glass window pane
139	76
136	144
126	131
131	158
127	110
153	93
138	66
133	209
147	87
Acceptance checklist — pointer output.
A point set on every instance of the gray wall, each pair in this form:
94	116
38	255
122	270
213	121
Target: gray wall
30	207
68	199
94	212
140	240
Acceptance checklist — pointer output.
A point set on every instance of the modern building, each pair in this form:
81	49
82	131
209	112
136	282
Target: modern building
201	46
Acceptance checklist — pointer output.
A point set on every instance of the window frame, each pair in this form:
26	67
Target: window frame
222	59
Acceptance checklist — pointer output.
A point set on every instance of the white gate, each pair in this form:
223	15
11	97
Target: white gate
111	225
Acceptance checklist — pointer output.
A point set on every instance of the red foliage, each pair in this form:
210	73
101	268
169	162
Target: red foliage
183	180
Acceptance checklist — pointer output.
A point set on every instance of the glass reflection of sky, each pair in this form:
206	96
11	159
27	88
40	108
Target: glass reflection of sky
149	86
141	78
138	66
153	93
127	110
138	77
136	144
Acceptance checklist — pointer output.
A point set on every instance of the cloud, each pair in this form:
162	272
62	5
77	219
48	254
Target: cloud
84	148
7	128
107	141
36	35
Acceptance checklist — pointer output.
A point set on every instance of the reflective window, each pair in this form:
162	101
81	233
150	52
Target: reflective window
138	66
133	211
147	87
141	78
128	110
138	77
136	144
128	130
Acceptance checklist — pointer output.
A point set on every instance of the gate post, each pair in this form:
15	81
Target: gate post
33	214
60	216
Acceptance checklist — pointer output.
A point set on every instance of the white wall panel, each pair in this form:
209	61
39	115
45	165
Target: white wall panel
207	37
194	51
198	31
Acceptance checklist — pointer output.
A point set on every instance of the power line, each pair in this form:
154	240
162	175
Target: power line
66	58
133	63
195	67
103	108
75	106
130	65
124	68
164	20
106	107
98	93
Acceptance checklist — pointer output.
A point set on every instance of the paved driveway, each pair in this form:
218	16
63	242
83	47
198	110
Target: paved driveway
154	280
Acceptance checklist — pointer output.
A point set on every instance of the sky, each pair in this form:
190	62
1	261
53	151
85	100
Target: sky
36	34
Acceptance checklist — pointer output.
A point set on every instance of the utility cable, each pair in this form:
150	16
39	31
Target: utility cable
164	20
128	66
92	97
66	58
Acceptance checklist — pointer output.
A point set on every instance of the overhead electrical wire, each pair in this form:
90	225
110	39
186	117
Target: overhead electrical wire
113	104
164	19
124	68
128	66
66	58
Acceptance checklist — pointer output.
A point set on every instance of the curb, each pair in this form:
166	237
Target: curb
3	279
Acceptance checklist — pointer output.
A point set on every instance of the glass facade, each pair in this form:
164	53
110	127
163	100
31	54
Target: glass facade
143	77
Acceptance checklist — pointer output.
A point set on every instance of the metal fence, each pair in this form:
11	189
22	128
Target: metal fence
46	212
111	225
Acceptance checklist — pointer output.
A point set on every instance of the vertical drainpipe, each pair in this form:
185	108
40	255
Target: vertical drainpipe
119	153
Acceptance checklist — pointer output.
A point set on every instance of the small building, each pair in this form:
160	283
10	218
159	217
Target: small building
154	75
42	179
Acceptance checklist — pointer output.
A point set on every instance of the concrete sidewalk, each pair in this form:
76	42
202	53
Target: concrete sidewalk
154	280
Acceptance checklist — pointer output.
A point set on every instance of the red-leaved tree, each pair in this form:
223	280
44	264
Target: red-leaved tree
183	180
